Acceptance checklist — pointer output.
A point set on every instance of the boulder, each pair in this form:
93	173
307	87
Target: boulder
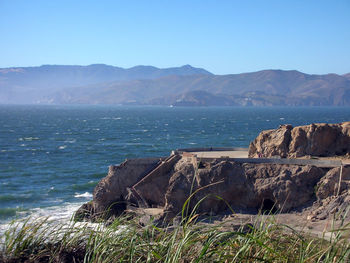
271	143
317	140
329	184
320	139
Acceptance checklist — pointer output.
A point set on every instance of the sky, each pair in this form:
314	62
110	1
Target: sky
221	36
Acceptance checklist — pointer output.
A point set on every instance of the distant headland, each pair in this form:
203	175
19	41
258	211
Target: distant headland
177	86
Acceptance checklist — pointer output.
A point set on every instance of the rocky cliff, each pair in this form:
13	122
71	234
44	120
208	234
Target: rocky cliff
222	185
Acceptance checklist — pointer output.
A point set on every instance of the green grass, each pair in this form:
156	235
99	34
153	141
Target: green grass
126	241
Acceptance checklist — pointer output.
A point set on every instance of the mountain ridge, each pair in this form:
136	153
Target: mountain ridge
178	86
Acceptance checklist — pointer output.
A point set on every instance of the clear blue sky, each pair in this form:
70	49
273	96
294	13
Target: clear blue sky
221	36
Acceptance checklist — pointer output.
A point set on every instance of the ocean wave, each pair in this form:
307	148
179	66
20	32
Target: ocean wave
85	195
58	214
28	138
62	147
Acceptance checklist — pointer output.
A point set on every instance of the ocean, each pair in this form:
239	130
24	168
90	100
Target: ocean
51	157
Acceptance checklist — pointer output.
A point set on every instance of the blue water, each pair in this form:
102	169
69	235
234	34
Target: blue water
51	157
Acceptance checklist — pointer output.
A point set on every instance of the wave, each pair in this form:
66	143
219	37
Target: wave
28	138
61	213
70	141
85	195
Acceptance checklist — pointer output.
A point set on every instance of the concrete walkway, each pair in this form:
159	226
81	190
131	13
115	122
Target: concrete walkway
223	154
241	155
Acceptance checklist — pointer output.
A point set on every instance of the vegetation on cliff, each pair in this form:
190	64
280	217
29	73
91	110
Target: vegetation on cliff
124	240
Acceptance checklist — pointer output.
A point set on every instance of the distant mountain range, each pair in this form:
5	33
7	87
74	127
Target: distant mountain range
178	86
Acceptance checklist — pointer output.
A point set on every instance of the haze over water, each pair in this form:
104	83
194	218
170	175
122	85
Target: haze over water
51	157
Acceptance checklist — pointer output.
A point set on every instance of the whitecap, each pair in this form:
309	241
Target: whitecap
85	195
62	147
55	215
192	143
31	138
281	118
70	140
117	118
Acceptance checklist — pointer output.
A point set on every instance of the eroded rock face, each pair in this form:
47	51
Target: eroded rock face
111	192
315	139
242	186
263	145
329	184
113	187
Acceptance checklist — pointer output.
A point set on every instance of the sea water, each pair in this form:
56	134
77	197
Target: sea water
51	157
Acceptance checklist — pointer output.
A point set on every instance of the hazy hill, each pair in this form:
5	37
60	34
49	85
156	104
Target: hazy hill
183	86
32	84
268	87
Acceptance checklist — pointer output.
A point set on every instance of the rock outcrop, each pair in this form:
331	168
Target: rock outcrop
110	193
218	186
311	140
214	186
242	187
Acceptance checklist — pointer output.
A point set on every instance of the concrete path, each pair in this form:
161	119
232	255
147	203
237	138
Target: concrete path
225	154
